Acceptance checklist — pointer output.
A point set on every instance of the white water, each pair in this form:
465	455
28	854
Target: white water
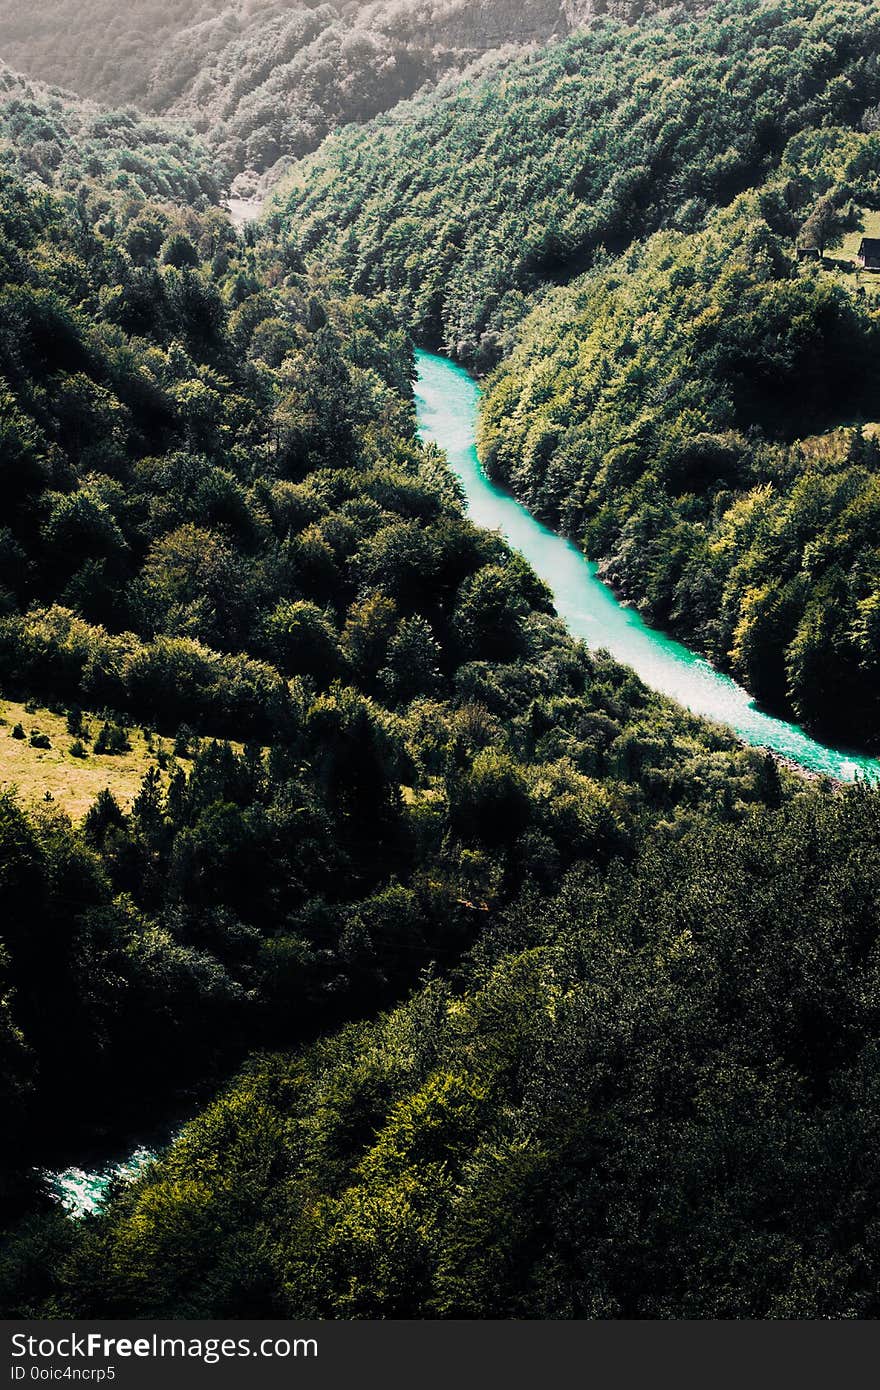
81	1192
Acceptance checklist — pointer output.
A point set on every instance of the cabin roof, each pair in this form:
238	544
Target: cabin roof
870	246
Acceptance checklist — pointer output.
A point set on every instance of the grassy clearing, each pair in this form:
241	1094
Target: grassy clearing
72	783
846	249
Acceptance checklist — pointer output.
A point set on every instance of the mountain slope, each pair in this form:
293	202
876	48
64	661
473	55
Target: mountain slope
266	79
635	1088
461	204
694	414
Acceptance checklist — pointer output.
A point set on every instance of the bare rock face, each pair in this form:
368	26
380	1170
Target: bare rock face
579	12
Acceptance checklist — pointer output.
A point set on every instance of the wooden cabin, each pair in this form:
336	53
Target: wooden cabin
808	253
869	253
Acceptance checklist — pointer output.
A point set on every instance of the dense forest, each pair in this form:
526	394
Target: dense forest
495	984
664	407
650	1094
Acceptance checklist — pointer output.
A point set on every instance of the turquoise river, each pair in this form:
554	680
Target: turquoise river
447	400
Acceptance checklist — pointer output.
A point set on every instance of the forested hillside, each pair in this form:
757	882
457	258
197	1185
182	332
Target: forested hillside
653	1094
266	79
64	141
460	206
695	413
666	409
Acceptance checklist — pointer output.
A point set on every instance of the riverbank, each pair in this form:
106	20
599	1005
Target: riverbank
790	764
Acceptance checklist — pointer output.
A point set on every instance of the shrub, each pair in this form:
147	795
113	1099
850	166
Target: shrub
112	739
